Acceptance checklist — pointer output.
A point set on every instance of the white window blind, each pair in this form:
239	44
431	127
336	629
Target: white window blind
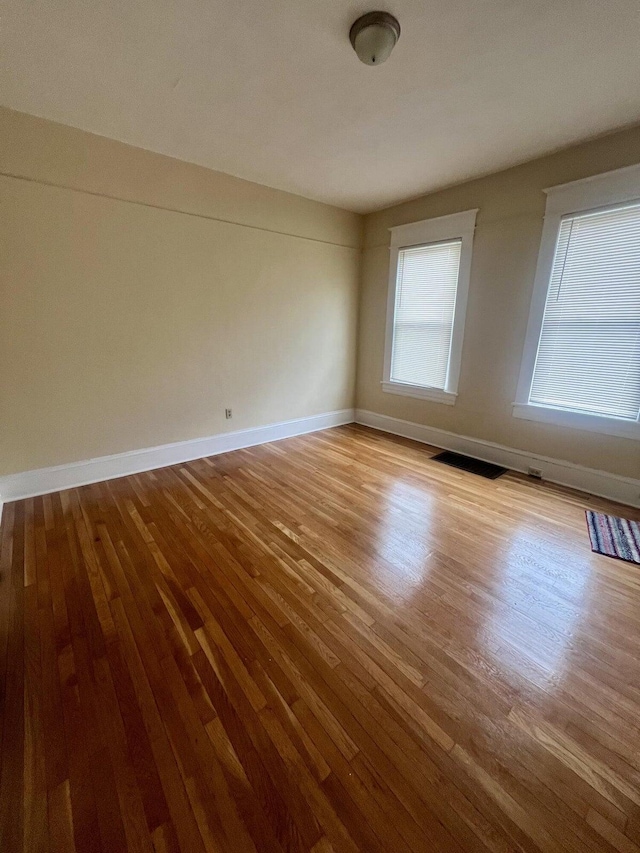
426	285
588	356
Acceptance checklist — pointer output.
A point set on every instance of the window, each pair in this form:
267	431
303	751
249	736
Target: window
428	284
581	364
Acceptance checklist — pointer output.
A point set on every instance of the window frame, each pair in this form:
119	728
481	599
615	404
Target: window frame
599	192
456	226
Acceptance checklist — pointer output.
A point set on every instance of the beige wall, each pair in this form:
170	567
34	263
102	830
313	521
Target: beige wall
140	296
509	225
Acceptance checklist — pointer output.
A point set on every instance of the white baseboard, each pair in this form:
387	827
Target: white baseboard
44	480
622	489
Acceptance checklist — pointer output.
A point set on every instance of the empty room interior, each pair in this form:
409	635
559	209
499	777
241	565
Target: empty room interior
320	426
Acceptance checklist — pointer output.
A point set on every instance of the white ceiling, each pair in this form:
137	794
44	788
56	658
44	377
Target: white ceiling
271	91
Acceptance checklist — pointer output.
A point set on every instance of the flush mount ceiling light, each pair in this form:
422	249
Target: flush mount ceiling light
373	37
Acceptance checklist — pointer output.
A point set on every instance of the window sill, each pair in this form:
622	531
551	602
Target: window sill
435	395
577	420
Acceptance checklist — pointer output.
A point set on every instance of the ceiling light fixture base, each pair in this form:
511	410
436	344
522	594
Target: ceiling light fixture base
373	37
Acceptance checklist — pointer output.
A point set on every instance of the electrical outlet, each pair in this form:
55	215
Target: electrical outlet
227	413
535	472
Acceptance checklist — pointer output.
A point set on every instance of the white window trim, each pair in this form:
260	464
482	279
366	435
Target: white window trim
600	191
457	226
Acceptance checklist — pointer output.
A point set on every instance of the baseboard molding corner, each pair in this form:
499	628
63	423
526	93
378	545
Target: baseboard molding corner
625	490
43	481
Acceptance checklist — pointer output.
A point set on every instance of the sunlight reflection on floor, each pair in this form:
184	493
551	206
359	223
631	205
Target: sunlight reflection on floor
540	593
404	542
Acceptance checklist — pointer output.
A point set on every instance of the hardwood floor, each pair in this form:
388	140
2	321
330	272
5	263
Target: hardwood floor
325	643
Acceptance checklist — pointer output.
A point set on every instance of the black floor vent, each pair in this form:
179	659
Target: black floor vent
467	463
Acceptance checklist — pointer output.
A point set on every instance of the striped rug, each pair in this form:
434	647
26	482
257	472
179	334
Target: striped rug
613	536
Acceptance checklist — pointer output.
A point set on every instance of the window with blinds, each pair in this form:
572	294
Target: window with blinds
426	285
588	357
